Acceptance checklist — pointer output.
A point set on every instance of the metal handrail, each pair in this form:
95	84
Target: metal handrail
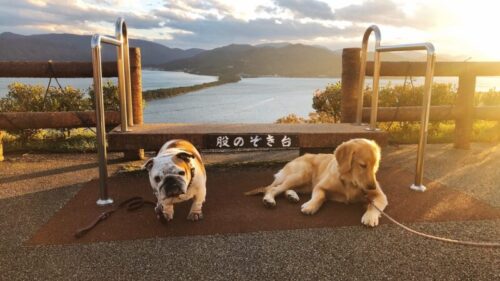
364	51
125	94
429	74
122	35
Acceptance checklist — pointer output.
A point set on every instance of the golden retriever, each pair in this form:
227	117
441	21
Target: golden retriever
348	175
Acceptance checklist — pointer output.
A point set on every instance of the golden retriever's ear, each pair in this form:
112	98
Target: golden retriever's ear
343	154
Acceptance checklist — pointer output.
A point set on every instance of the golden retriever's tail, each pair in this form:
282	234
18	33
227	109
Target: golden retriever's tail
259	190
279	177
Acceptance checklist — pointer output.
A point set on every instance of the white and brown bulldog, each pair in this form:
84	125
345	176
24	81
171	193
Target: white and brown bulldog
177	174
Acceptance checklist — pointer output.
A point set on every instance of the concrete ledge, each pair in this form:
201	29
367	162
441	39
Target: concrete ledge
151	136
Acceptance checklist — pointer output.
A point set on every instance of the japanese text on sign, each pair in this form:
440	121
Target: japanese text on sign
252	141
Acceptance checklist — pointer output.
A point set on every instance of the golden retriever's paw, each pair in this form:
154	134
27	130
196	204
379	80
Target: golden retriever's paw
195	216
309	208
370	218
292	196
269	202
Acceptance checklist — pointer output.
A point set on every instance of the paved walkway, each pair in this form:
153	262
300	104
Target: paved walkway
34	187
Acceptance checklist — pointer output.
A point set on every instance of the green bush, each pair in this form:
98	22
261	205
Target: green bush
326	103
111	97
328	100
28	98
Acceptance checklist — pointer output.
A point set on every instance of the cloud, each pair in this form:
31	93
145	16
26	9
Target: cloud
231	30
18	14
214	23
390	13
313	9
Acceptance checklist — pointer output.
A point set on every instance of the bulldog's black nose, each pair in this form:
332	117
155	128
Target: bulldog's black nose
172	186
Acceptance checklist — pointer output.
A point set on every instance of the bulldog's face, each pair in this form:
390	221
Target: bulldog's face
169	175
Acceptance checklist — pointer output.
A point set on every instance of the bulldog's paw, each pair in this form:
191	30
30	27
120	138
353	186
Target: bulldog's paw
292	196
168	216
309	208
164	218
370	218
195	216
269	202
159	213
161	218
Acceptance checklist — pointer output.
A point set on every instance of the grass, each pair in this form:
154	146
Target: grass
80	140
440	132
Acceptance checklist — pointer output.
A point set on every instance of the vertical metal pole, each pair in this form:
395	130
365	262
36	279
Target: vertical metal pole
429	73
128	87
100	123
1	146
121	88
376	79
122	36
362	74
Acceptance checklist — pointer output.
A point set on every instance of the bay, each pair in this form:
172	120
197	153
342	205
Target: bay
260	100
252	100
151	79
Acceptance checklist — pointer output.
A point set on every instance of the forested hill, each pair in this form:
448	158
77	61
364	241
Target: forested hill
289	60
71	47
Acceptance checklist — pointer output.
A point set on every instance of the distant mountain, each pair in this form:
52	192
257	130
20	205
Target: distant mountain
70	47
282	59
274	45
287	60
270	59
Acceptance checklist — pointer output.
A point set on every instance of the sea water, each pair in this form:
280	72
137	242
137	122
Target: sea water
251	100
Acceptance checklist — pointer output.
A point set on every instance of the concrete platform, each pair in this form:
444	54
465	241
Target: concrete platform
34	188
236	136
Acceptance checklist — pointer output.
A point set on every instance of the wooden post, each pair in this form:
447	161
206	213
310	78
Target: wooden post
465	105
1	145
137	107
351	62
136	77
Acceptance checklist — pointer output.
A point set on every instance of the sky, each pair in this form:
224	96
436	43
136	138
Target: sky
463	29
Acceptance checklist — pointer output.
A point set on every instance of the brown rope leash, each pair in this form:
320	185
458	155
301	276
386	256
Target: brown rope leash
453	241
131	204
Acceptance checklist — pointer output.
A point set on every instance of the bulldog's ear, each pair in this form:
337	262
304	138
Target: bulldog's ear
343	154
185	156
149	164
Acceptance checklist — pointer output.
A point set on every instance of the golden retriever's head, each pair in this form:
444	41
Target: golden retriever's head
358	161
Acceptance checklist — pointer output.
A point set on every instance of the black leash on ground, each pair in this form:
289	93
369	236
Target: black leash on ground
453	241
136	202
131	204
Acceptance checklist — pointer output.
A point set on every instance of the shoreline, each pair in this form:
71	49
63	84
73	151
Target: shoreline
177	91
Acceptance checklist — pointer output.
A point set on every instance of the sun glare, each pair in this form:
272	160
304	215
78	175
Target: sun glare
473	28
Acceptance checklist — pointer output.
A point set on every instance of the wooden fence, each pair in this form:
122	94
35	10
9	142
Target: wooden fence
55	120
463	112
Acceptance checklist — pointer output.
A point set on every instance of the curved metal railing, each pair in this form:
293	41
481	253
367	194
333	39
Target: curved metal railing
124	87
429	74
364	52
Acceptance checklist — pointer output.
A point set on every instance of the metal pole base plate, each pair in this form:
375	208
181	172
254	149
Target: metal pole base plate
420	188
104	202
